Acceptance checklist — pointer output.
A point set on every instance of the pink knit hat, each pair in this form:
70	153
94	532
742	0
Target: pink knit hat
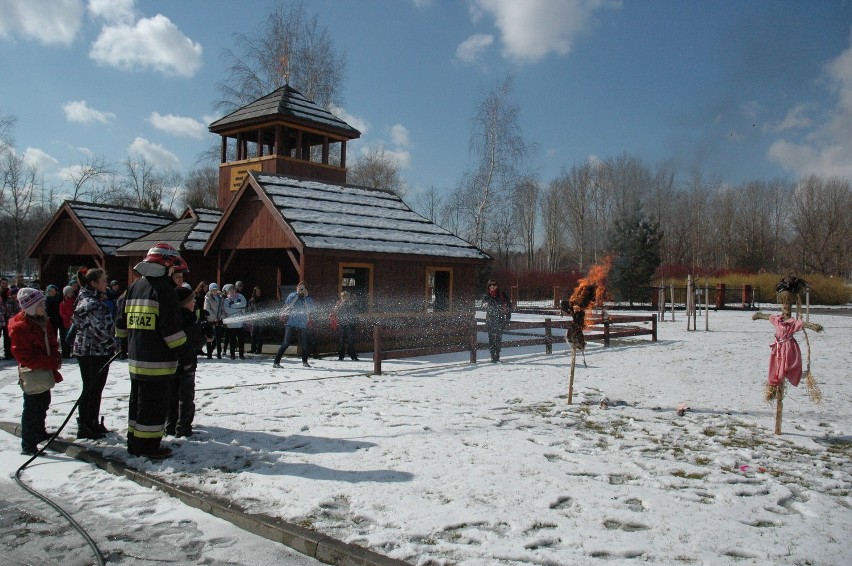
29	299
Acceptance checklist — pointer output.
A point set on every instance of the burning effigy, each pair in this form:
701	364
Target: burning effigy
589	294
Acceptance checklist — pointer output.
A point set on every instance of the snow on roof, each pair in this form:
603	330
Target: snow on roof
113	226
208	218
350	218
289	102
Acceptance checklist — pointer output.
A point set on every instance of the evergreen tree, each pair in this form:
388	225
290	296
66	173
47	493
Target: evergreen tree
635	246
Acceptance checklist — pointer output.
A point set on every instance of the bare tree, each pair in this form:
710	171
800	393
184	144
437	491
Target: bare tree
498	150
291	46
576	191
147	188
526	202
201	188
18	189
378	169
552	217
428	204
822	220
91	171
7	127
501	234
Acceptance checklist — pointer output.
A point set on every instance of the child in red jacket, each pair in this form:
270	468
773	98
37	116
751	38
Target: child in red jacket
34	345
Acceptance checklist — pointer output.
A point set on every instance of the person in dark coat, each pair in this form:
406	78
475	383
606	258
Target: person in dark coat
182	398
53	298
94	345
498	313
256	304
150	319
35	346
343	318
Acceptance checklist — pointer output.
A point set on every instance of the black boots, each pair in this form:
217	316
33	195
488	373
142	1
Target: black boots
91	432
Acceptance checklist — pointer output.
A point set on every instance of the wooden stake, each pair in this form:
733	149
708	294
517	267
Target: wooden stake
571	380
779	407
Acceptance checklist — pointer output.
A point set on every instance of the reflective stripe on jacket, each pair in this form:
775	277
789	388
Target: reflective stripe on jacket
150	319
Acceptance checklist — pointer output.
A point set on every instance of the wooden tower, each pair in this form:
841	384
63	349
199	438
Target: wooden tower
285	133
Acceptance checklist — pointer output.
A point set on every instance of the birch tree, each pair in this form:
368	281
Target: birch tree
19	182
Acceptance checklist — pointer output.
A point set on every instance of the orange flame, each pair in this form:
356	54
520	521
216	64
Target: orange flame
591	290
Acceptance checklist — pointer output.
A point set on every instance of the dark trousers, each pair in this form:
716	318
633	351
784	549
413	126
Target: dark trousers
181	403
149	405
32	419
256	338
288	334
89	409
495	340
216	344
346	340
235	340
65	345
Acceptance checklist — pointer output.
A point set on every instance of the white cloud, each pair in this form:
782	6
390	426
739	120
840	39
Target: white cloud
40	158
50	22
178	125
79	111
356	122
471	49
113	11
399	135
532	29
154	43
795	119
827	148
154	153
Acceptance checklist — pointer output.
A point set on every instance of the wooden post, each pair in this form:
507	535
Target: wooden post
513	296
377	350
571	379
706	308
557	296
654	328
688	302
548	337
474	342
807	305
779	407
606	332
662	300
672	289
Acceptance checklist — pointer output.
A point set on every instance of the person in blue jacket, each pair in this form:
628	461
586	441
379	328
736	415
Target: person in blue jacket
298	307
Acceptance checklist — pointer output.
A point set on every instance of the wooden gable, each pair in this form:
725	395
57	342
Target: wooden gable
64	235
251	221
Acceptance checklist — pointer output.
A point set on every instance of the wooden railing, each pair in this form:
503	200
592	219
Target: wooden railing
602	328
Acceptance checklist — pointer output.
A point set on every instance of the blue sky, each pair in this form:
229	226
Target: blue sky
744	90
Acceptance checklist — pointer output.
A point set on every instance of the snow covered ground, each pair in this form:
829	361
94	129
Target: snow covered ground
442	462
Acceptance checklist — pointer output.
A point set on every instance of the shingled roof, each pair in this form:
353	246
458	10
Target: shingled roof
352	218
287	103
113	226
188	233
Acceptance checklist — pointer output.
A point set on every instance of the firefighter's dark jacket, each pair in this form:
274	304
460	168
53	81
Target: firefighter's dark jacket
151	320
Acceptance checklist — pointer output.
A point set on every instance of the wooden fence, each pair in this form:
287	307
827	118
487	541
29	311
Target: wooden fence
602	328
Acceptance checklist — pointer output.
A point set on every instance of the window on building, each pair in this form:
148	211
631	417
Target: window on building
357	278
439	289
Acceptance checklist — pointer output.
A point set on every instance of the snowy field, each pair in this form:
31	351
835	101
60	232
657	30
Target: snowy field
441	462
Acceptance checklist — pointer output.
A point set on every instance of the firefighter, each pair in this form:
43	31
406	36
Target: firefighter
150	320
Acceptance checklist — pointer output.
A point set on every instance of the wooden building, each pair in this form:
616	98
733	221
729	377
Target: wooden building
188	234
289	216
85	234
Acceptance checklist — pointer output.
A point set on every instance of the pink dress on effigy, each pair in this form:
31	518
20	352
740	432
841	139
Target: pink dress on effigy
786	357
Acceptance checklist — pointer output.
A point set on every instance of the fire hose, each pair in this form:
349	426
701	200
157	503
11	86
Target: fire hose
98	555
